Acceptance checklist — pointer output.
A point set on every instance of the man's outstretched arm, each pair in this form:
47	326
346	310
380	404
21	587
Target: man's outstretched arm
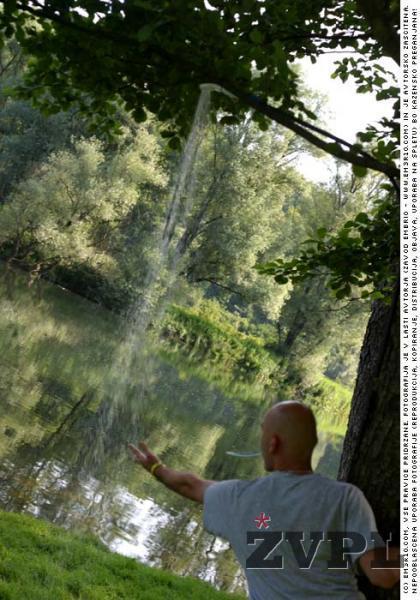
186	484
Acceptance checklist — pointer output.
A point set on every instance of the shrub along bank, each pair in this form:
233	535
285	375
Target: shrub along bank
241	355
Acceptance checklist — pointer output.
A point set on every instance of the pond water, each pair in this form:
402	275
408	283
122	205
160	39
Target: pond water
63	453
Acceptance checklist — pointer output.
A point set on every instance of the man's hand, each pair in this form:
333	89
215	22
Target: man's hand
143	455
386	577
186	484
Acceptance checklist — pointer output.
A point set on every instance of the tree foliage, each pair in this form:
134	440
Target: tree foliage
74	209
243	181
153	57
360	255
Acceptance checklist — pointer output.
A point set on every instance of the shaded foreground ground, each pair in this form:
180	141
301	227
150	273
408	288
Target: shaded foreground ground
39	561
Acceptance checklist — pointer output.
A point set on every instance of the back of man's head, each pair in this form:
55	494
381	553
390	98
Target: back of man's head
288	437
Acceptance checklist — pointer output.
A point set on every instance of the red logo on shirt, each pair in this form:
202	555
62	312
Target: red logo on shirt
263	520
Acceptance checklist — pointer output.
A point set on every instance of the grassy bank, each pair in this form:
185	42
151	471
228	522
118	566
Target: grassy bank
202	338
39	561
331	402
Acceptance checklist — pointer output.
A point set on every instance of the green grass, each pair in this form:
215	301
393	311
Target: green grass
39	561
331	402
201	337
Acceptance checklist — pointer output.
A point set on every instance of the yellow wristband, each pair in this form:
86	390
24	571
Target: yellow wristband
155	466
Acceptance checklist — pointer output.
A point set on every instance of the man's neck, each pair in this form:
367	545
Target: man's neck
295	471
298	468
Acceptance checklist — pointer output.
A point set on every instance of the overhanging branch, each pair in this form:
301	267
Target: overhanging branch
339	148
305	130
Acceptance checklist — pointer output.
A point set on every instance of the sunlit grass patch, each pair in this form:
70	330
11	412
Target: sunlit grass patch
331	402
39	561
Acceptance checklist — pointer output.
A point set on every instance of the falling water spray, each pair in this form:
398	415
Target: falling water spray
132	364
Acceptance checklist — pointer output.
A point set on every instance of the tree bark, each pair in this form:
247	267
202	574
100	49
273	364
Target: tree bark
371	451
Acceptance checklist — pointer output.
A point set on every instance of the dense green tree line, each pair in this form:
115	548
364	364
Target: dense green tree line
87	213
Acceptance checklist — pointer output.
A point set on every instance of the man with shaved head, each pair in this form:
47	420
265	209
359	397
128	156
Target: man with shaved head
288	437
296	533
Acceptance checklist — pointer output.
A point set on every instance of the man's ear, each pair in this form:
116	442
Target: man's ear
275	444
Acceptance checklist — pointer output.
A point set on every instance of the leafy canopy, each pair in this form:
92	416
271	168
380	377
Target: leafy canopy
153	56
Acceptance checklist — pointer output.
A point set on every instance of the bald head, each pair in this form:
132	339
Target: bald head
288	436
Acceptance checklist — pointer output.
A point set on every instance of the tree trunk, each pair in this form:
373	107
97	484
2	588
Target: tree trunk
371	452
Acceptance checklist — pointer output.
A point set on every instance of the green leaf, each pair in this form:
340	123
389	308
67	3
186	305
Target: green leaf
321	232
377	295
140	115
167	133
333	147
359	171
256	36
229	120
340	294
263	124
174	143
146	32
362	218
281	279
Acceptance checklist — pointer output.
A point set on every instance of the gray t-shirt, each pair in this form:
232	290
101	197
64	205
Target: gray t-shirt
306	503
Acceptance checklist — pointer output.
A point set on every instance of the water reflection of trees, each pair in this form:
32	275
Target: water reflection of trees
68	463
63	458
